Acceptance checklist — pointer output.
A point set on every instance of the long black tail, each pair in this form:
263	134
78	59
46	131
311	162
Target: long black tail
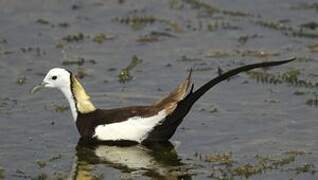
164	131
194	96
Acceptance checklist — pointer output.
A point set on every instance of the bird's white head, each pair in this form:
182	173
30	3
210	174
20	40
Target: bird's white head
57	78
63	80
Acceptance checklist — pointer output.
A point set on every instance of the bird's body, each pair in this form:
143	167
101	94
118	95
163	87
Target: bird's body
156	122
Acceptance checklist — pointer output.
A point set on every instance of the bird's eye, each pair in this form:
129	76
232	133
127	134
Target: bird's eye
54	77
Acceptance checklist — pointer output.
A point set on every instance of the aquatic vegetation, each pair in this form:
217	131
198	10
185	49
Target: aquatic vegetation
258	53
188	59
260	165
21	80
138	22
290	77
288	30
101	37
313	48
124	75
210	9
221	24
154	36
218	158
57	108
79	61
313	101
2	176
76	37
41	176
43	21
310	25
306	6
305	168
245	38
41	163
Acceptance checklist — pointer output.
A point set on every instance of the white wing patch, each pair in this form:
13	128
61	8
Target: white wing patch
134	129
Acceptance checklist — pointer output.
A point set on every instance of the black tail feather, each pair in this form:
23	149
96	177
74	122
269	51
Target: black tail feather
194	96
164	131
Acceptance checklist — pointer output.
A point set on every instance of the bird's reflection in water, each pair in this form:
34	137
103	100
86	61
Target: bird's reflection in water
152	160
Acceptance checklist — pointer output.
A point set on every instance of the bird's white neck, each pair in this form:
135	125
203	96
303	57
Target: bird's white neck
69	96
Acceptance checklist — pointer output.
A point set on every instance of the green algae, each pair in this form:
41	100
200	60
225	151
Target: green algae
211	10
43	21
290	77
287	29
285	162
138	22
2	173
124	75
313	47
21	80
75	37
80	61
101	37
221	24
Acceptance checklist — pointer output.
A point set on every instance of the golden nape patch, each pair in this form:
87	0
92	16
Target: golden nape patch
169	103
83	103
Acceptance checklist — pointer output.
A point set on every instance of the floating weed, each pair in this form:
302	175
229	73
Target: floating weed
63	25
101	37
258	53
148	38
310	25
57	108
260	165
188	59
41	163
290	77
37	50
54	158
211	10
21	80
41	176
3	41
218	158
243	39
288	30
138	22
154	36
43	21
176	4
75	37
313	47
305	168
2	172
79	61
220	24
219	53
306	6
313	101
124	75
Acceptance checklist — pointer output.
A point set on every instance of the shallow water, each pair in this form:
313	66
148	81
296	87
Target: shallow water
242	116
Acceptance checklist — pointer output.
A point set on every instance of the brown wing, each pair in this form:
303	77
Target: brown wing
169	103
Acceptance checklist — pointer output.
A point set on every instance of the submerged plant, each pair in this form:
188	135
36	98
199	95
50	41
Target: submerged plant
124	75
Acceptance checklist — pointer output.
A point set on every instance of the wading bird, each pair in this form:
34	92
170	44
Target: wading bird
155	122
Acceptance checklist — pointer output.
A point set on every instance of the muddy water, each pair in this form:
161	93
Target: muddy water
250	115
